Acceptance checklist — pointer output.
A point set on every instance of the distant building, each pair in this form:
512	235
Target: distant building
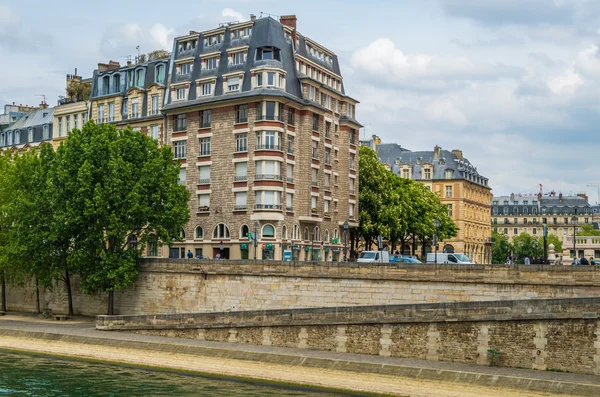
12	113
29	131
460	187
71	112
515	214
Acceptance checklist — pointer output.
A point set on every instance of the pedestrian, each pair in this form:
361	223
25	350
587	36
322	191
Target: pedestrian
575	262
583	261
592	261
190	255
218	256
526	261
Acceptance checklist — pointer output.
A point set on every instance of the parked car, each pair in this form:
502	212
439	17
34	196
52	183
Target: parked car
374	257
403	259
449	258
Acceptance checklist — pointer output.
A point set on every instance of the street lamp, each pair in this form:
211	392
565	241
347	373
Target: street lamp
346	227
574	223
255	238
436	224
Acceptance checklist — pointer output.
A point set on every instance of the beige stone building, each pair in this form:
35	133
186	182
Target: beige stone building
460	187
70	112
258	116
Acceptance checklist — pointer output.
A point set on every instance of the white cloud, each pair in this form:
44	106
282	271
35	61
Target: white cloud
231	13
8	18
122	42
162	35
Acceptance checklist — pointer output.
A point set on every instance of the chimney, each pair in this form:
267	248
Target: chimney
43	105
583	196
129	63
108	66
288	20
458	153
560	196
436	152
252	17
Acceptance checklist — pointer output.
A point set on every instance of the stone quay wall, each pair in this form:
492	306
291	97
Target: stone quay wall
191	286
542	334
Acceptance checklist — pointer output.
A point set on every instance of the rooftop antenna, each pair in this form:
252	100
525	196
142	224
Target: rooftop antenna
138	54
266	13
43	98
596	185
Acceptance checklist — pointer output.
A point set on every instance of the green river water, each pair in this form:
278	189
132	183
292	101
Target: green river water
42	376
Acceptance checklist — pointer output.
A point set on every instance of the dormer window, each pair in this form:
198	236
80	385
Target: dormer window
241	33
427	173
105	85
46	132
449	174
233	84
140	76
160	74
184	68
213	40
211	63
237	58
268	53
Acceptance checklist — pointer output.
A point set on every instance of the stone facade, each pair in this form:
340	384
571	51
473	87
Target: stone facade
178	286
552	334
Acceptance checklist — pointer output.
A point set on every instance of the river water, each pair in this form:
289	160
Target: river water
41	376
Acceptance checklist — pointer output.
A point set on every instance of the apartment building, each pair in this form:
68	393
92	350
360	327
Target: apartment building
515	214
258	116
29	131
131	95
72	110
460	187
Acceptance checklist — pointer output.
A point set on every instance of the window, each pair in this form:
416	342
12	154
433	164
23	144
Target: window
111	115
241	114
312	93
180	94
315	122
204	174
244	231
268	53
211	63
152	246
154	132
327	129
313	204
352	135
351	210
267	200
132	242
46	134
205	118
17	137
289	202
182	176
524	221
427	173
154	109
140	76
180	149
199	234
327	155
160	73
100	113
534	231
206	89
290	144
233	84
449	209
405	173
241	142
185	68
30	135
315	177
205	147
327	182
269	111
449	174
60	126
350	110
290	173
76	121
515	231
204	202
448	191
270	78
238	58
291	115
352	157
268	169
326	207
241	171
241	199
267	140
268	231
315	149
135	108
180	122
351	186
259	80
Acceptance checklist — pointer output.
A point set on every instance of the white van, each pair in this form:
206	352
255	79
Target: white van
451	259
374	257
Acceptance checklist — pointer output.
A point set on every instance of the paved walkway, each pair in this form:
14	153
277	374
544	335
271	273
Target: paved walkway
82	331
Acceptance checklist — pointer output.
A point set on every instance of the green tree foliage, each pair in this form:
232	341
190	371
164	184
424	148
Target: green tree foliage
394	207
587	229
6	236
501	248
552	239
78	90
522	245
527	245
115	184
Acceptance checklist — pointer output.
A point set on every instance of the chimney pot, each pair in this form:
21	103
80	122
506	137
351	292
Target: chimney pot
288	20
252	17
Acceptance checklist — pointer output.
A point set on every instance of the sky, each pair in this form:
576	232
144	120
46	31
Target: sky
514	84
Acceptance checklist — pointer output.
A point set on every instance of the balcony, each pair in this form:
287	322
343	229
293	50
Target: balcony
244	40
267	177
182	77
273	63
289	209
241	178
315	183
205	181
241	207
111	89
268	147
267	207
269	117
184	53
204	153
208	72
203	209
290	180
205	125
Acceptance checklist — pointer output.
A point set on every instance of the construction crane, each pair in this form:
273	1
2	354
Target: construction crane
597	186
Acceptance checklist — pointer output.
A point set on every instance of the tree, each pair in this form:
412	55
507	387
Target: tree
552	239
79	91
587	229
158	54
6	197
527	245
501	248
116	185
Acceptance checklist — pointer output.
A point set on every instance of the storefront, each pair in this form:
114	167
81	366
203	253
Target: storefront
268	252
244	251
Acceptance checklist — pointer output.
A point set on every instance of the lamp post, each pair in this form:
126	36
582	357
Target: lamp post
436	224
346	227
574	223
255	238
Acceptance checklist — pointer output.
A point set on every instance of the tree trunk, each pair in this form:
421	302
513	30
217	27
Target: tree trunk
37	296
111	303
414	245
3	292
351	256
69	293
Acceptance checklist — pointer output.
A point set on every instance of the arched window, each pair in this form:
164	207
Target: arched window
336	233
132	241
17	137
516	211
296	233
244	230
326	237
306	234
221	231
116	82
160	73
182	233
316	233
105	85
268	231
284	232
152	245
199	233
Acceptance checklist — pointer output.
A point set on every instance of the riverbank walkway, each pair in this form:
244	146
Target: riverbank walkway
78	337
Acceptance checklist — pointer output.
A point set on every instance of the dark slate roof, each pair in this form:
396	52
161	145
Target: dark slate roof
35	120
149	77
553	205
395	156
266	32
